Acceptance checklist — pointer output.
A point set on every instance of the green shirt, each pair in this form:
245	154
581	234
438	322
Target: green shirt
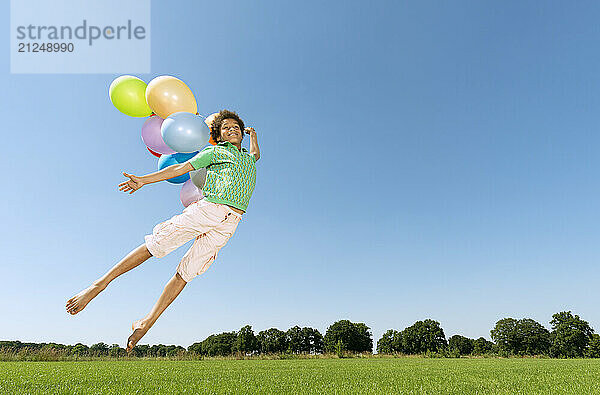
230	174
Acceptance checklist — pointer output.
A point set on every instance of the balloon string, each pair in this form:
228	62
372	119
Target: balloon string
152	114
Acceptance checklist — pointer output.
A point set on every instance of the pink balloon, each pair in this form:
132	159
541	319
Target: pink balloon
189	193
152	137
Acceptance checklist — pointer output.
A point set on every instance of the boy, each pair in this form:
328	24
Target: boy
230	180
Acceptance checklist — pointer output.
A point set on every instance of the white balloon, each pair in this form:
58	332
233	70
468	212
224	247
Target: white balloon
198	177
189	193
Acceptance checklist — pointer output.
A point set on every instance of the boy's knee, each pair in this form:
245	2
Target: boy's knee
146	251
180	278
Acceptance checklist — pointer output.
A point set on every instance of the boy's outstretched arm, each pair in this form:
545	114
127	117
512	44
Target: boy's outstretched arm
134	183
253	143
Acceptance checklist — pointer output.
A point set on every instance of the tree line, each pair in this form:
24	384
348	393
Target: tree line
569	337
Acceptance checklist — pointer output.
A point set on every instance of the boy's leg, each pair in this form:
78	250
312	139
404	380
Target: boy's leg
133	259
195	262
140	327
196	219
204	251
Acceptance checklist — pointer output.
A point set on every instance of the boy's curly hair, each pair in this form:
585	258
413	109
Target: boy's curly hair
215	127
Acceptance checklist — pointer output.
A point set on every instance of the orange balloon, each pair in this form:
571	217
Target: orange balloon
167	95
209	120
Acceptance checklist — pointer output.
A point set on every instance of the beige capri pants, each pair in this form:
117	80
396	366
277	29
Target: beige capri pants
211	224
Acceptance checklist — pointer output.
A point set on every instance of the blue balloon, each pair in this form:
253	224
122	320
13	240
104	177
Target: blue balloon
185	132
173	159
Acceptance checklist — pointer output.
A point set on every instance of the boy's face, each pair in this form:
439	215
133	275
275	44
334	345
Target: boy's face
230	131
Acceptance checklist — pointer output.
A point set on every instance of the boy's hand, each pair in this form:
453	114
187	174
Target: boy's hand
132	185
253	143
251	132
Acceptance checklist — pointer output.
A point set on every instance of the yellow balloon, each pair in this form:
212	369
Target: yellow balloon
127	93
167	95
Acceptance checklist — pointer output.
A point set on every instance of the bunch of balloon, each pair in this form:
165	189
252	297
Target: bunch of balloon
174	131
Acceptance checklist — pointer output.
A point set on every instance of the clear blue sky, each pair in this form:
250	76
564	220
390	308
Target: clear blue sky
418	160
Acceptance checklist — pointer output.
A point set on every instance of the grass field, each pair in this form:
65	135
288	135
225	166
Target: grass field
306	376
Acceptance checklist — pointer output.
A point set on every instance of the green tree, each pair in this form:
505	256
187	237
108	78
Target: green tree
312	341
246	342
389	342
423	336
115	351
570	335
99	349
521	337
158	350
272	340
355	337
56	347
295	340
196	348
79	349
339	348
221	344
462	345
593	350
141	350
173	350
505	335
304	340
10	345
534	338
482	346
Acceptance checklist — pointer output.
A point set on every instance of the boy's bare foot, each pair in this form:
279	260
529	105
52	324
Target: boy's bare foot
79	301
140	327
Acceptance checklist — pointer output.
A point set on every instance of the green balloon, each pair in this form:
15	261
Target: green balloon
128	94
